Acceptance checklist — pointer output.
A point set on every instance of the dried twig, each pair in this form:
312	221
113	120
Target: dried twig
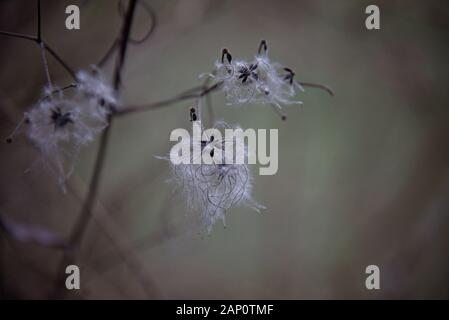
164	103
46	47
80	227
317	86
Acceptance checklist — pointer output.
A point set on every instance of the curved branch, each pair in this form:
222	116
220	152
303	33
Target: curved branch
317	86
163	103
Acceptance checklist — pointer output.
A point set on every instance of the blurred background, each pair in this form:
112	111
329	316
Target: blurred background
363	176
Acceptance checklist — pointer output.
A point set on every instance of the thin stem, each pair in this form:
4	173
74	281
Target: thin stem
182	97
42	45
69	86
39	32
153	18
317	86
81	224
60	60
45	63
85	216
10	138
124	43
18	35
56	90
108	54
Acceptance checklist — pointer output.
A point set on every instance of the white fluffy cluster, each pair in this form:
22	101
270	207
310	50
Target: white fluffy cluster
95	90
259	81
212	189
59	124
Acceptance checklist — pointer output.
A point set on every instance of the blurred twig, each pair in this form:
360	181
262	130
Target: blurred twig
86	212
194	94
318	86
164	103
30	234
109	260
118	240
151	14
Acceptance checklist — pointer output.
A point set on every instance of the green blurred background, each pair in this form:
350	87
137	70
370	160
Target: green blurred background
363	176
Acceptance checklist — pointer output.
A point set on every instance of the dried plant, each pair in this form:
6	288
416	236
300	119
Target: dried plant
212	189
69	117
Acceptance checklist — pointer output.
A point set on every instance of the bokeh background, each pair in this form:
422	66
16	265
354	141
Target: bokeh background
363	176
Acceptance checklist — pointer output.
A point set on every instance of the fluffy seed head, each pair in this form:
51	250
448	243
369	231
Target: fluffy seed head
212	189
58	126
257	81
94	90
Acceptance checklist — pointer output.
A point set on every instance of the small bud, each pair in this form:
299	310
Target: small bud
262	47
